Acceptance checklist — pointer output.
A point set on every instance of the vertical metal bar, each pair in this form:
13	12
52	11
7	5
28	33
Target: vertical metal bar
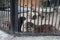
42	15
42	12
57	12
27	14
38	14
59	20
20	8
59	16
23	13
49	13
1	14
9	14
46	15
45	12
59	24
14	16
53	13
35	13
31	11
38	11
19	11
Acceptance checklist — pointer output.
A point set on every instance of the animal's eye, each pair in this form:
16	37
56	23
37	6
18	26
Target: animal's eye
33	17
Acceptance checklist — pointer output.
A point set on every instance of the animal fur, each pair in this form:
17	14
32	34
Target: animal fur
30	27
20	22
37	24
32	17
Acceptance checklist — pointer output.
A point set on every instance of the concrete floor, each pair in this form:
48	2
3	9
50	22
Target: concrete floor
5	36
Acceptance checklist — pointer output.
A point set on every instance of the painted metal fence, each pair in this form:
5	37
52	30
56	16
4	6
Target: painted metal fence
5	21
31	17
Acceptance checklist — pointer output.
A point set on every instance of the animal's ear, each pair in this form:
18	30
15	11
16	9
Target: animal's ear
24	18
34	17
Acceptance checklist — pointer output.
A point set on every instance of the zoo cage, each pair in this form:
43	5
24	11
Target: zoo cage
5	21
31	17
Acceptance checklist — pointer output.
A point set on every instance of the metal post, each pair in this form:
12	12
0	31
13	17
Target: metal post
14	15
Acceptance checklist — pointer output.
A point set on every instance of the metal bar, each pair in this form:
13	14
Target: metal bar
57	12
46	15
34	13
38	11
57	17
53	13
31	12
27	14
14	16
38	34
49	13
39	15
9	15
42	12
19	25
23	14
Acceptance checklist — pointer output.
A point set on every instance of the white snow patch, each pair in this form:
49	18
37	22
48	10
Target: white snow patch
5	36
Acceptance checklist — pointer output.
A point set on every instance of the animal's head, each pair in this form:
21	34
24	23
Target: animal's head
33	15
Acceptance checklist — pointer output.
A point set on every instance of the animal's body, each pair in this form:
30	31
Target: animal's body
20	22
30	27
34	18
35	23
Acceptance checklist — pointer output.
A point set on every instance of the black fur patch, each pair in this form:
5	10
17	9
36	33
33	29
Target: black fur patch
20	22
40	28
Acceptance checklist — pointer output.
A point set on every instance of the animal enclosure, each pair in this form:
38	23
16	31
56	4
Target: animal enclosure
31	17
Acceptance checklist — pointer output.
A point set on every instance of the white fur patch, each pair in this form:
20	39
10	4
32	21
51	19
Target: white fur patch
23	28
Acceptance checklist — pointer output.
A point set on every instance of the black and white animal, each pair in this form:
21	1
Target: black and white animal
20	22
30	27
33	23
35	18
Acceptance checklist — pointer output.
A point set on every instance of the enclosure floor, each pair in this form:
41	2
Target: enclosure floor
5	36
